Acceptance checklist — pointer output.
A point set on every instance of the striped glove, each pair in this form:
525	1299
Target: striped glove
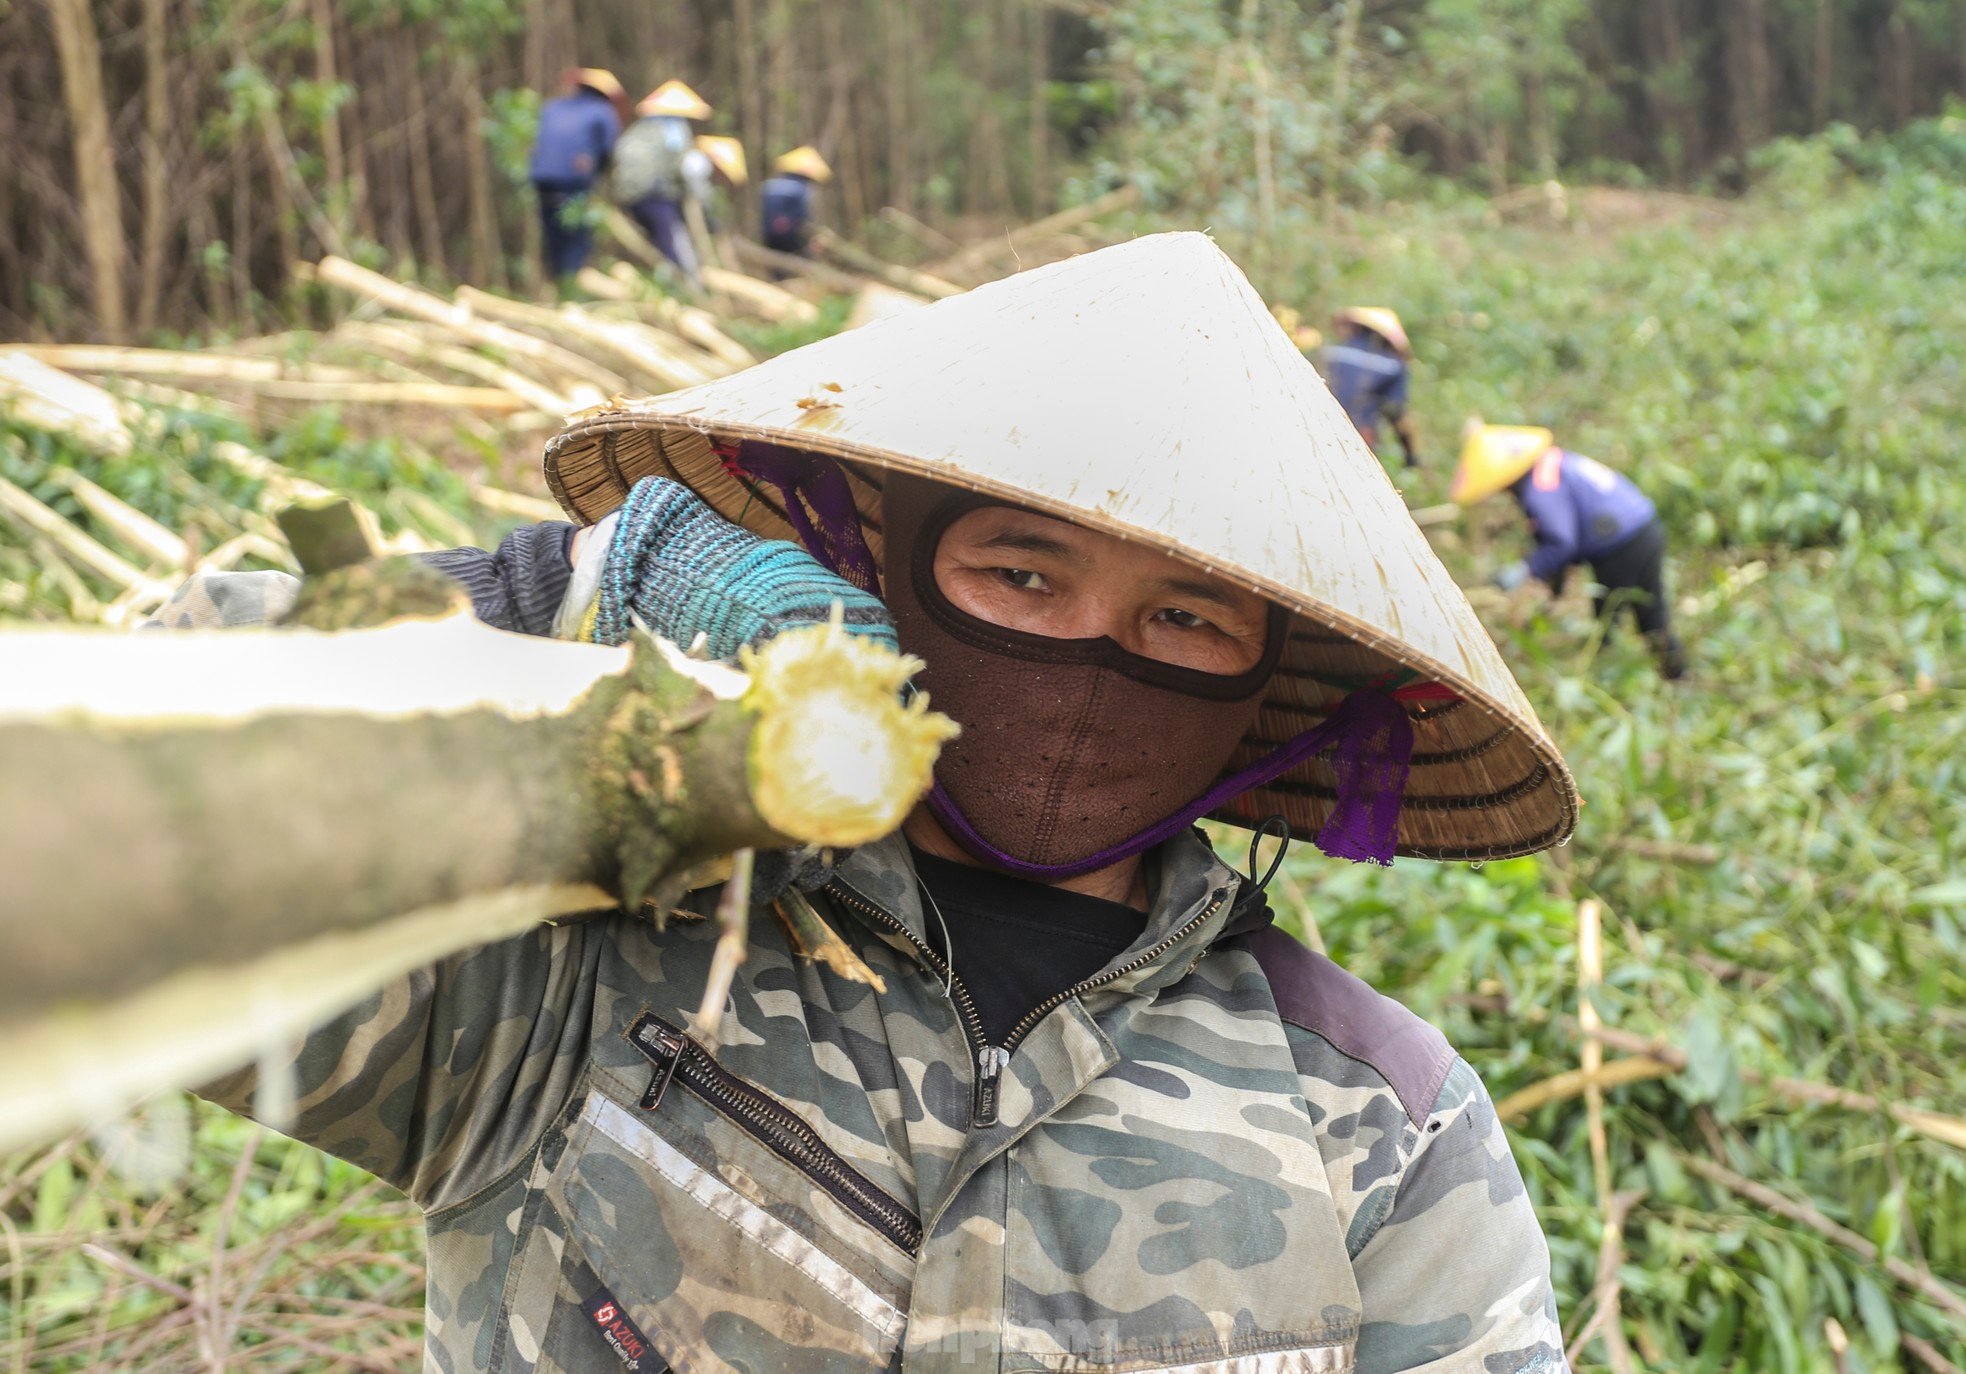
682	570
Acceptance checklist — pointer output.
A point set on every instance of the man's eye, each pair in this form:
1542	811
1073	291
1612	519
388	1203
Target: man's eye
1187	620
1023	578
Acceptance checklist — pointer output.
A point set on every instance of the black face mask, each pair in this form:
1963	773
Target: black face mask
1071	749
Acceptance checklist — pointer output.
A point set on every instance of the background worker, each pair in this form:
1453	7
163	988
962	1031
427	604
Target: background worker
577	133
1581	512
651	170
787	198
1367	370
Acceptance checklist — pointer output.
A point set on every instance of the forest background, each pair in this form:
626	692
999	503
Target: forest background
195	150
1717	246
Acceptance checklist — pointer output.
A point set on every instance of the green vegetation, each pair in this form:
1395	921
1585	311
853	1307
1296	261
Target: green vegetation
1776	844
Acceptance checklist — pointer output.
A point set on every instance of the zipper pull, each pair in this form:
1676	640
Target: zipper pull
991	1061
664	1049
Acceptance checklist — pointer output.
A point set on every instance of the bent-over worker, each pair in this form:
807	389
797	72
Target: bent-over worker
1369	369
577	133
1581	512
652	170
1101	1112
786	200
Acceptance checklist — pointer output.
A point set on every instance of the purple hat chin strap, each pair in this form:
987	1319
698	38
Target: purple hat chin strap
1374	744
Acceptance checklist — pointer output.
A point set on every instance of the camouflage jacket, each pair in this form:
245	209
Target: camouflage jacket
1221	1155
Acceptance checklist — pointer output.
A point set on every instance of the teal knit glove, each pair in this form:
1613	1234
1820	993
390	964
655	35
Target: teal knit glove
682	570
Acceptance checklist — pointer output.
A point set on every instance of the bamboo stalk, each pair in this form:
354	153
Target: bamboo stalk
635	345
130	524
906	278
263	789
78	546
1909	1276
761	298
1948	1130
516	503
1561	1087
182	363
41	395
461	323
983	251
820	274
405	343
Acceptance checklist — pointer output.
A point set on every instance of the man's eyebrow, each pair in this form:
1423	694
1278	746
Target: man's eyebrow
1197	590
1030	541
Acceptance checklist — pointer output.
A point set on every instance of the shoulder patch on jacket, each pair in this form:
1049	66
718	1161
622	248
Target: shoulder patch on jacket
1314	994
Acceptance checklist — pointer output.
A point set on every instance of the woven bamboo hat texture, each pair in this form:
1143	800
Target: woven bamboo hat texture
726	154
674	98
1380	321
1493	456
1145	391
804	161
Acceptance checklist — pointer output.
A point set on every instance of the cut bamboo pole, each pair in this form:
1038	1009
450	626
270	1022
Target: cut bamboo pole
201	365
619	343
86	552
261	789
131	525
791	264
492	400
516	504
404	342
907	278
699	327
462	324
984	251
41	395
761	298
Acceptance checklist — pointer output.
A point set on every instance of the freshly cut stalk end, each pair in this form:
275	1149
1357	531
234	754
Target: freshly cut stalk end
836	758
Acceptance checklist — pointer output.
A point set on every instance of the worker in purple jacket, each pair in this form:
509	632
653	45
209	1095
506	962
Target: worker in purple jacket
577	131
1580	512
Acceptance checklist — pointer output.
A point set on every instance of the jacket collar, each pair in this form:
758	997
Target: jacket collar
1193	901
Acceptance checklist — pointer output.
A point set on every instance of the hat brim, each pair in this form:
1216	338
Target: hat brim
1482	786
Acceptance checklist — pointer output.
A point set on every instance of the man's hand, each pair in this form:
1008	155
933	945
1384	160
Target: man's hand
1513	576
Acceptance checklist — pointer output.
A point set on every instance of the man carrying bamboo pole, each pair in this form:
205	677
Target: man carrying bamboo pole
1089	1108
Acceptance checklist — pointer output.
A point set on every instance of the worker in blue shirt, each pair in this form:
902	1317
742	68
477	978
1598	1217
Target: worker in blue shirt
1580	512
786	199
1367	369
577	131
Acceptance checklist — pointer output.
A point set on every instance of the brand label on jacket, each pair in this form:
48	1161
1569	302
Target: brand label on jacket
622	1335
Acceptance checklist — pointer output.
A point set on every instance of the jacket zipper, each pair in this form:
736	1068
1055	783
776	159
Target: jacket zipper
992	1060
678	1058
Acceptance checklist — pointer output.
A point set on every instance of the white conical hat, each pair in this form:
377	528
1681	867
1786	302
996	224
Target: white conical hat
1144	390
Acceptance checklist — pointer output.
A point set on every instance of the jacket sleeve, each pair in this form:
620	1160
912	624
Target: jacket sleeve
1553	517
1456	1279
520	586
444	1080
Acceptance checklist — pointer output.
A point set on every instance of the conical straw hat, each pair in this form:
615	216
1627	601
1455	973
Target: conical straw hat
1493	456
804	161
674	98
726	154
1380	321
1144	390
601	81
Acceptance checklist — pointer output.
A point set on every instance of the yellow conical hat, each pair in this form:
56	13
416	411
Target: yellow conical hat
726	155
601	80
804	161
1380	321
1145	391
674	98
1493	456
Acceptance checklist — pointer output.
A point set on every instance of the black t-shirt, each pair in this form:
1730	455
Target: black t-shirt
1017	943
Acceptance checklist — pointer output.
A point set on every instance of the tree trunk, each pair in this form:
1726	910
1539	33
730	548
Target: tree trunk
156	162
423	184
487	256
334	157
80	52
1037	57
